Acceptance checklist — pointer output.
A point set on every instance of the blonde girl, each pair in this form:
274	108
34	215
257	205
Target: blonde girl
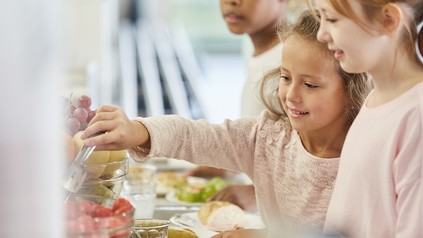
379	189
290	152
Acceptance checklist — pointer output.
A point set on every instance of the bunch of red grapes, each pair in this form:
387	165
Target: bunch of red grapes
78	116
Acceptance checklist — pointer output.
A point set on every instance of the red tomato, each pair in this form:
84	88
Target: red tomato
85	223
87	207
118	223
101	211
121	205
88	219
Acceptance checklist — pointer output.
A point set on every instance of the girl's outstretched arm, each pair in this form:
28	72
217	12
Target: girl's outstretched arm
229	145
121	133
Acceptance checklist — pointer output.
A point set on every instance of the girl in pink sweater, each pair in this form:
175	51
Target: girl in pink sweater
291	152
379	189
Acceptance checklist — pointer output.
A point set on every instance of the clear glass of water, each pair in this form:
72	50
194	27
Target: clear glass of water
140	189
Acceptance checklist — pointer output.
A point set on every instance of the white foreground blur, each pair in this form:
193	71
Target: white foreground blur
31	200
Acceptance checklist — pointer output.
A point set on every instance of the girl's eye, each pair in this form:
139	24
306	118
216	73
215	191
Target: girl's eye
284	78
328	19
331	20
309	85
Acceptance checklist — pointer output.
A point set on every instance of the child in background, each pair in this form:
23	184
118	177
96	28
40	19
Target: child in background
379	189
290	151
258	19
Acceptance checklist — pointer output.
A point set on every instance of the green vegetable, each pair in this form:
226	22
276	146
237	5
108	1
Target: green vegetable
195	193
188	194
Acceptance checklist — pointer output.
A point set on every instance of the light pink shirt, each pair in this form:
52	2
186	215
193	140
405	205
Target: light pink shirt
291	184
379	190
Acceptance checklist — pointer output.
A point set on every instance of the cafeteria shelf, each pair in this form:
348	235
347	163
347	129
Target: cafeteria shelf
128	69
150	84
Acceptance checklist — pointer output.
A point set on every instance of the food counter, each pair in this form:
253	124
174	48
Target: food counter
184	214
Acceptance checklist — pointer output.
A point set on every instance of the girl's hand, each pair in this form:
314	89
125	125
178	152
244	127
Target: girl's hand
241	233
121	133
241	195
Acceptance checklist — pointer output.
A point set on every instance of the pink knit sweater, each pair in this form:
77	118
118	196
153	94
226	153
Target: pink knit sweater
292	186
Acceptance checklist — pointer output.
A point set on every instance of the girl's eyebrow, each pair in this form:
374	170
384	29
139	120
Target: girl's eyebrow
303	75
325	10
322	11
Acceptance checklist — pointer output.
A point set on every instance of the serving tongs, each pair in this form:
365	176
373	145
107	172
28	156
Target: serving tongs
76	173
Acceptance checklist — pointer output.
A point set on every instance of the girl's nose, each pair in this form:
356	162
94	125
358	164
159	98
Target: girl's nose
293	95
233	2
322	34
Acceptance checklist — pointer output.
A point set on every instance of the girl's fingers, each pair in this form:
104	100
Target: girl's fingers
109	119
106	141
94	128
101	126
107	108
99	117
104	116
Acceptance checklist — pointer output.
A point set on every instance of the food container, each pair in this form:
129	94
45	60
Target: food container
105	179
150	228
91	216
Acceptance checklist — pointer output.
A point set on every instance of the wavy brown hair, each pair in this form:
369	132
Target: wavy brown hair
357	86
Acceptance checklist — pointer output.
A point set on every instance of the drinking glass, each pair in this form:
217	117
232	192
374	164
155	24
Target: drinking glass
140	189
150	228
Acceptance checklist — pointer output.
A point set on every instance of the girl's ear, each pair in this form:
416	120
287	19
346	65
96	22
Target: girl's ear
391	18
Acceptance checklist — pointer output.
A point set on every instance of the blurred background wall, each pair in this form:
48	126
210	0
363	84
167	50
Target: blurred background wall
157	57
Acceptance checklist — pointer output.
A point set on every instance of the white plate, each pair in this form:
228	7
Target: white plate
191	220
171	197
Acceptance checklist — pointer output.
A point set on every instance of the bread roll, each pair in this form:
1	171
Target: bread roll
220	216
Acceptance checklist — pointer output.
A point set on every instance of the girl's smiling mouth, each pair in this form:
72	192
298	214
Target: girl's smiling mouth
297	113
338	54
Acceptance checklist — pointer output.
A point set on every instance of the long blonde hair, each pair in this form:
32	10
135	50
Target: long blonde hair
356	86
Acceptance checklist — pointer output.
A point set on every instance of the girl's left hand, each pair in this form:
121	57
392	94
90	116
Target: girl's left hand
241	233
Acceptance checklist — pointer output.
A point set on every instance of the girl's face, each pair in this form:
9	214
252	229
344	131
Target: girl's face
310	89
251	16
357	50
